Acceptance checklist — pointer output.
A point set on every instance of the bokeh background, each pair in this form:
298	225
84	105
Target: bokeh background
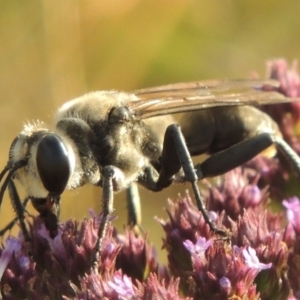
53	50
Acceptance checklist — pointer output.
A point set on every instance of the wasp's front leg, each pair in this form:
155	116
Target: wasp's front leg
19	208
110	175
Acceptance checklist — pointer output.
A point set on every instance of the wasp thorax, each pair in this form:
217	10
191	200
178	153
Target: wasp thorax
120	114
53	163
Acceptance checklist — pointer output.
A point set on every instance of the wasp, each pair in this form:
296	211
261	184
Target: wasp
116	139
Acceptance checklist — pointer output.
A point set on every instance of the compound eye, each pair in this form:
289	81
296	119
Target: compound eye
120	114
53	164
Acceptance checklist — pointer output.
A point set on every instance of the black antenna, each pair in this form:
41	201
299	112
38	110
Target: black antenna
19	164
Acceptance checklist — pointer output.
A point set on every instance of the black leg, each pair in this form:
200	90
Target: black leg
107	208
14	196
11	169
133	205
8	227
230	158
18	208
12	223
290	155
174	157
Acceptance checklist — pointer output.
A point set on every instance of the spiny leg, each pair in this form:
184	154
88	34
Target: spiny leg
11	169
174	160
108	173
9	226
18	208
175	155
12	223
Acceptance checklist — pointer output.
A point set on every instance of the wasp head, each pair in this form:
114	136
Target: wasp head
43	162
48	162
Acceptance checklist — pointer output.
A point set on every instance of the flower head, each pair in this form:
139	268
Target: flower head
236	191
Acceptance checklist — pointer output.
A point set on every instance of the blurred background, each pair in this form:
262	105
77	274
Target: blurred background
52	51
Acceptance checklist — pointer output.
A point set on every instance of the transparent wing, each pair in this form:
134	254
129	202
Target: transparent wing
184	97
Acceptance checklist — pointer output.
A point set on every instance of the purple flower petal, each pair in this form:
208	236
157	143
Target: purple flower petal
12	245
292	206
252	261
200	247
123	286
225	284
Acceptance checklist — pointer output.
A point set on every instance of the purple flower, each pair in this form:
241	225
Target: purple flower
287	115
12	246
221	274
236	191
270	173
252	261
225	285
153	289
292	206
123	286
137	257
199	247
288	77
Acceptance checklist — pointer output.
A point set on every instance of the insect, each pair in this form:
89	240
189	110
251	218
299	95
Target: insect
115	139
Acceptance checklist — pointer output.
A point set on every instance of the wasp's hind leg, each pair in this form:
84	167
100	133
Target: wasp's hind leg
238	154
290	155
234	156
